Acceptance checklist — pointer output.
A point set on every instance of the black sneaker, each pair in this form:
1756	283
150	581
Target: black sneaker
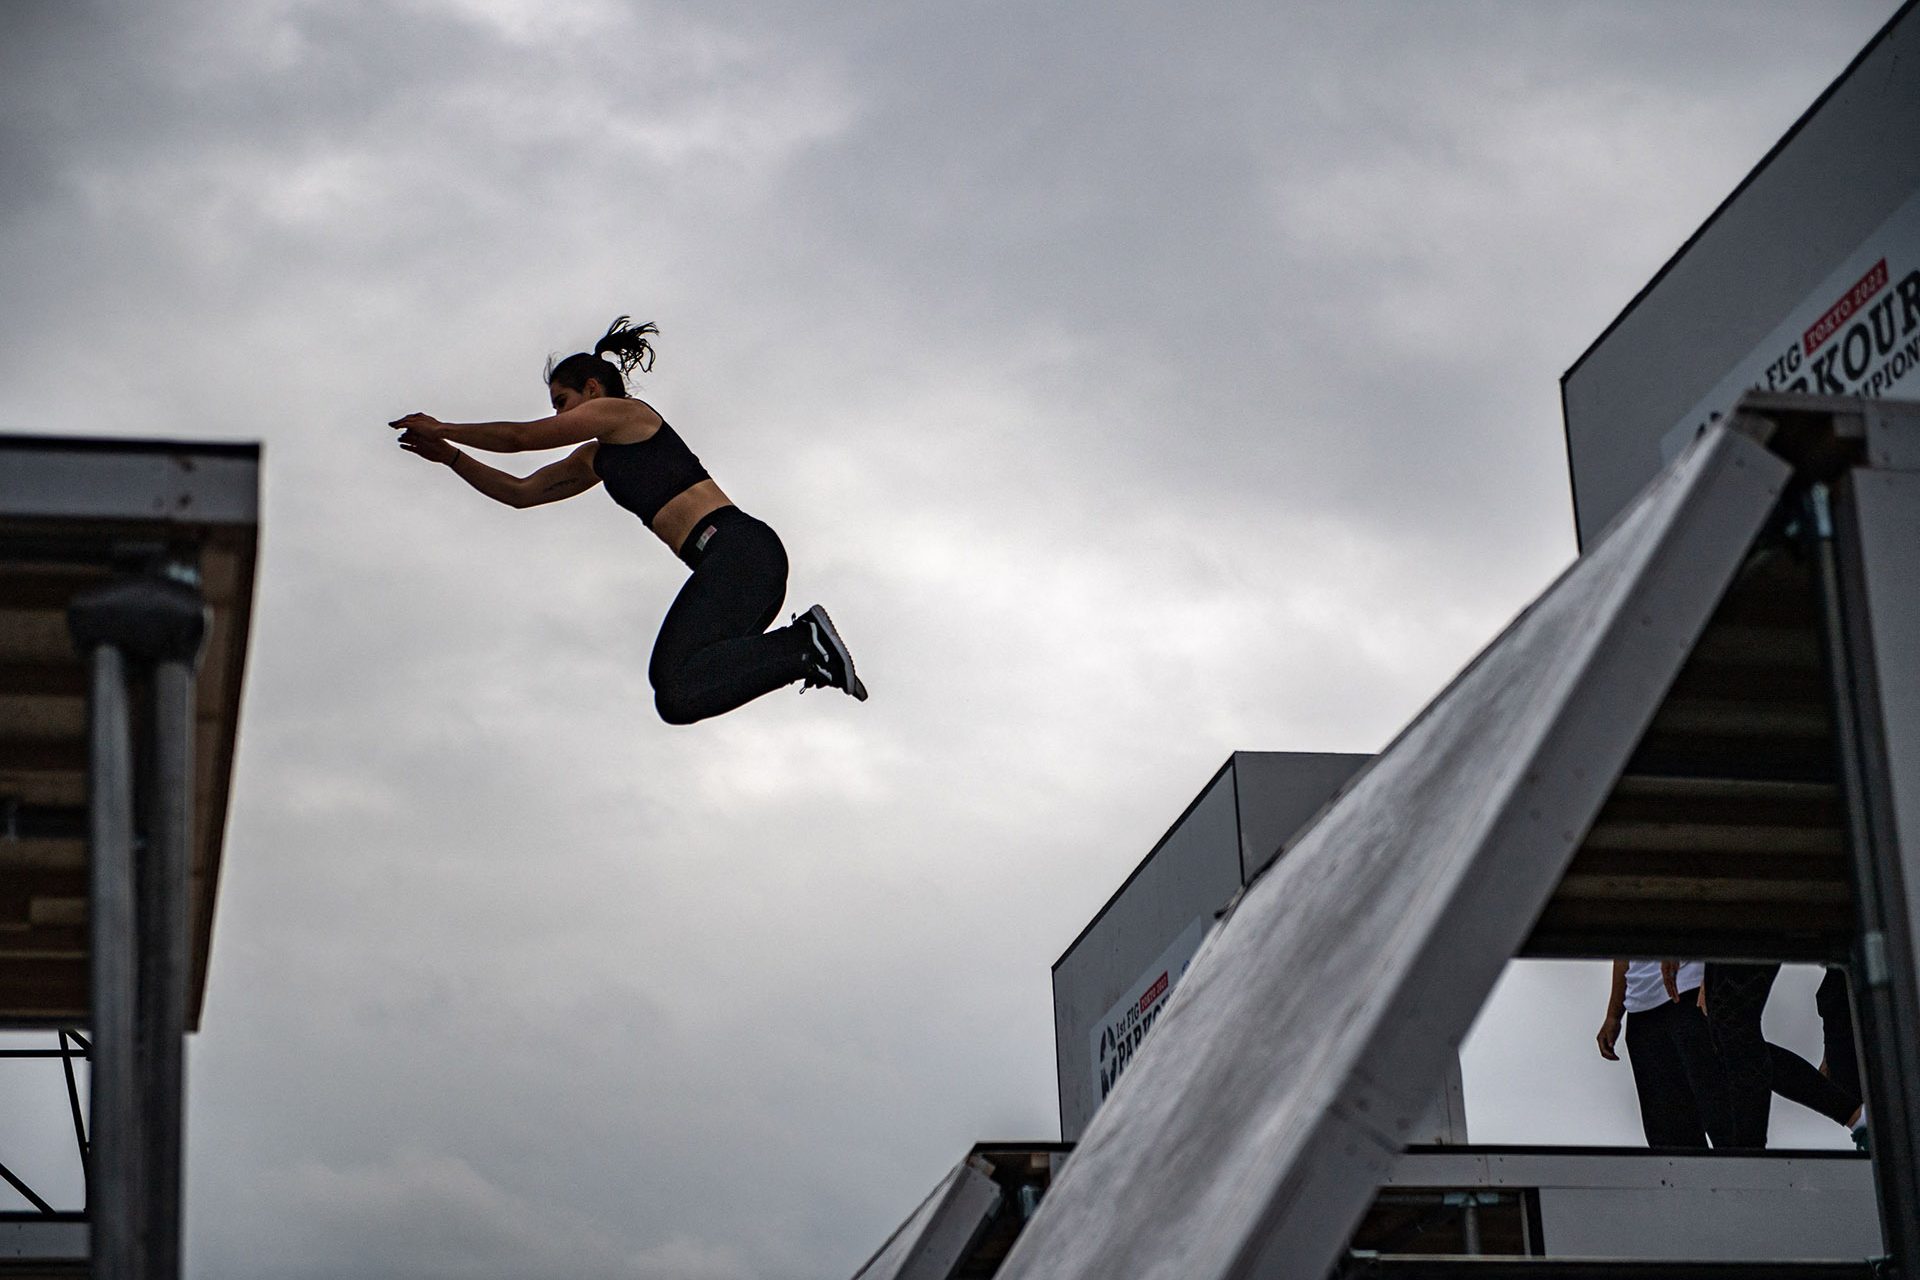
829	664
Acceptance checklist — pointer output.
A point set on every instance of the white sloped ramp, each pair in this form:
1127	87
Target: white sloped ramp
1250	1134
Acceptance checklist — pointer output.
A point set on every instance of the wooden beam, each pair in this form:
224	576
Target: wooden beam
1742	717
44	942
1699	891
18	856
1754	801
50	679
1716	837
26	588
44	988
43	755
1770	868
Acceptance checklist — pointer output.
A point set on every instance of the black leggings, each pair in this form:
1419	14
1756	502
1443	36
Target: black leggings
1736	997
1836	1029
715	652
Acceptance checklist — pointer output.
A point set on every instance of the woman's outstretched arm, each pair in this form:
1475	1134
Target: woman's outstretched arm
571	475
583	422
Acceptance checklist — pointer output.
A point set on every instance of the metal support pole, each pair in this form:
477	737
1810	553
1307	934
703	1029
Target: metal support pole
114	1192
139	921
164	939
1886	1012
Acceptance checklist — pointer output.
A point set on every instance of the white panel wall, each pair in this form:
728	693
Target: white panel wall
1771	252
1189	876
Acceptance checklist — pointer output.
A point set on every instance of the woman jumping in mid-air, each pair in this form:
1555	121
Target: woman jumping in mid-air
714	652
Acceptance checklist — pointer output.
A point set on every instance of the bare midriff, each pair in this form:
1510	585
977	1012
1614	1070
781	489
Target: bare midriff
685	509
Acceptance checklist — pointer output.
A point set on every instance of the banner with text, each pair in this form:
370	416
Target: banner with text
1858	334
1118	1036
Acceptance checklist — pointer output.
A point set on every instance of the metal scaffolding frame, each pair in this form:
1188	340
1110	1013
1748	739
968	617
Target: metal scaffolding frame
126	584
71	1045
1596	782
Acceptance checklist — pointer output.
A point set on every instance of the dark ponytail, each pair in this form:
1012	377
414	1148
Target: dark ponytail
625	341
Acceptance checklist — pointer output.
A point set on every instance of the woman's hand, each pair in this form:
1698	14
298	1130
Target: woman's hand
421	424
430	447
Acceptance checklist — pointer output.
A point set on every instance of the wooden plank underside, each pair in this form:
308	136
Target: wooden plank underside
45	989
43	721
1750	843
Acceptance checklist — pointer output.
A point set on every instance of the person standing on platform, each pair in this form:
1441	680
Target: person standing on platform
1676	1073
1735	997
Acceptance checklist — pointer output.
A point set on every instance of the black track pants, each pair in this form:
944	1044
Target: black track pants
714	652
1677	1075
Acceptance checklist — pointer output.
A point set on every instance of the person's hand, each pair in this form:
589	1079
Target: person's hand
422	423
432	448
1670	974
1609	1036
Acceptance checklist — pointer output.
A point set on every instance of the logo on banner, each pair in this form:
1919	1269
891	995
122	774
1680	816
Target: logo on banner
1870	336
1127	1025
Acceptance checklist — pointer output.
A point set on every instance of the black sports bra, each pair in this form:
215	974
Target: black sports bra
646	475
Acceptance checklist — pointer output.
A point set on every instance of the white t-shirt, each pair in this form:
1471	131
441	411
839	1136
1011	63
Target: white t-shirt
1646	991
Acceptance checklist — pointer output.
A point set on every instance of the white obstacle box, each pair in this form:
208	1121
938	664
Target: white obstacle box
1806	279
1114	977
1576	790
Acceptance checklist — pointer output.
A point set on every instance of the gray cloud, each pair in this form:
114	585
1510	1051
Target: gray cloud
1134	386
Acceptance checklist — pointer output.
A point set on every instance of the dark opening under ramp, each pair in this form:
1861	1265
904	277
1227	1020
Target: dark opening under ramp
1725	833
1288	1069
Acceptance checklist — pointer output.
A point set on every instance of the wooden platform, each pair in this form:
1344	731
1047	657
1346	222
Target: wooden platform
74	513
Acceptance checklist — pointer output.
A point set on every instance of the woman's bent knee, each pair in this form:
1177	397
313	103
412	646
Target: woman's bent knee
674	709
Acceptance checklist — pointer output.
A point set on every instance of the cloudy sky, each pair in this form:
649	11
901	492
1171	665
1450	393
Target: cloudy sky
1134	382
